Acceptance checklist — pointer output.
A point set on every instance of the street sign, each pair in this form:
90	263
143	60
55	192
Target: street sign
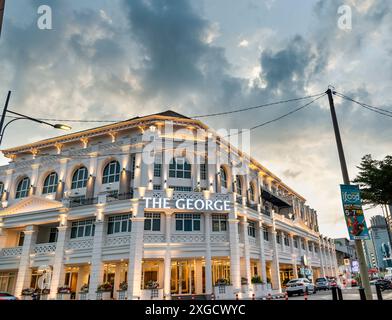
353	213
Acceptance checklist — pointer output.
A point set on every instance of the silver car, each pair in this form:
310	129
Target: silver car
300	286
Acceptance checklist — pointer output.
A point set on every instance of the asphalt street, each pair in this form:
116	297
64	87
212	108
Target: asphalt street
348	294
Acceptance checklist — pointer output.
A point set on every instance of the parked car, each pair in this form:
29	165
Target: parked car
332	282
384	284
354	283
322	284
7	296
300	286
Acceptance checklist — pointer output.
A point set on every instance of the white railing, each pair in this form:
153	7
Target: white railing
252	241
187	238
44	248
80	244
153	238
10	252
113	241
222	237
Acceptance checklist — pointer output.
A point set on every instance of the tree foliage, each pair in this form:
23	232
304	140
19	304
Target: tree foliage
375	180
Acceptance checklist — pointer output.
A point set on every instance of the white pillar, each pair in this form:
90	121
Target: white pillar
136	252
96	276
24	272
208	266
58	275
322	263
117	279
235	272
167	259
275	270
244	226
262	254
293	255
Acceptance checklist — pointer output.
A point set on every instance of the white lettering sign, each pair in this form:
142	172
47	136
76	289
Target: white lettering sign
188	204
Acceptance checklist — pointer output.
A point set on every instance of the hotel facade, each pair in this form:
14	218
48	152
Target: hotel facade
85	212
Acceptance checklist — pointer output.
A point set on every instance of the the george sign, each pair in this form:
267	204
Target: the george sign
353	213
188	204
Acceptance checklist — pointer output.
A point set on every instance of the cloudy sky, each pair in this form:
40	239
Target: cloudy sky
117	59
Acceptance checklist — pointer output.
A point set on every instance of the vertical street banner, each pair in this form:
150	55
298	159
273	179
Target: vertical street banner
353	213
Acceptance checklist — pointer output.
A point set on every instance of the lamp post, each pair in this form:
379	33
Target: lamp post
19	116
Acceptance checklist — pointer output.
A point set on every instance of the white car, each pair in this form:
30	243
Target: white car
300	286
7	296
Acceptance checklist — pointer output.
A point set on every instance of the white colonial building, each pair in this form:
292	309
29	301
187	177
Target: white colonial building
86	207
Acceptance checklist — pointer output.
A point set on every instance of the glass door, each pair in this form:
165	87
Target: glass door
183	277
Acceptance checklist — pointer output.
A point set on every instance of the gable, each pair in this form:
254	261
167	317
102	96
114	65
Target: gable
31	204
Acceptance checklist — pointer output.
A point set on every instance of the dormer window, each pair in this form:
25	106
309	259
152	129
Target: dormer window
179	168
23	188
79	178
111	173
50	183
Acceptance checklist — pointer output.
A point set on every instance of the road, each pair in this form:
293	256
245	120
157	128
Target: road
348	294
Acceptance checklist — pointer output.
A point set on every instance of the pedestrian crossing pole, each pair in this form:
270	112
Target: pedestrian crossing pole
346	180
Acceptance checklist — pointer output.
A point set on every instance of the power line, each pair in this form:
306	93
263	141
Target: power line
256	107
366	106
195	117
280	117
75	120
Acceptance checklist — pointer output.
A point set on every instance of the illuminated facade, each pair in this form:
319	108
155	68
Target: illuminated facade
86	206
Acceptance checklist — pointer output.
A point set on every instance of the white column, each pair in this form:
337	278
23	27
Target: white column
117	279
167	259
322	263
275	270
136	252
58	275
244	227
262	254
235	272
24	272
96	276
293	255
3	235
208	266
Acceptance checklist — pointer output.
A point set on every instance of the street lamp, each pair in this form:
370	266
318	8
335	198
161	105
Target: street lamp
20	116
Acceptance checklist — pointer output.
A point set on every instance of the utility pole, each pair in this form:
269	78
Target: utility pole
346	180
4	111
2	8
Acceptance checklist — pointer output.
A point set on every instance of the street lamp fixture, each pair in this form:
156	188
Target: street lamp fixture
20	116
62	126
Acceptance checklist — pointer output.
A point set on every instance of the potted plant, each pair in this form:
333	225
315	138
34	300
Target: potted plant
64	293
83	292
44	294
258	286
152	284
104	291
222	282
122	290
257	280
27	293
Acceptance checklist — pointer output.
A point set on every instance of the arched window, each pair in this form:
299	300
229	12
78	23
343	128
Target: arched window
223	177
111	173
179	168
251	192
23	188
239	185
79	178
50	183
